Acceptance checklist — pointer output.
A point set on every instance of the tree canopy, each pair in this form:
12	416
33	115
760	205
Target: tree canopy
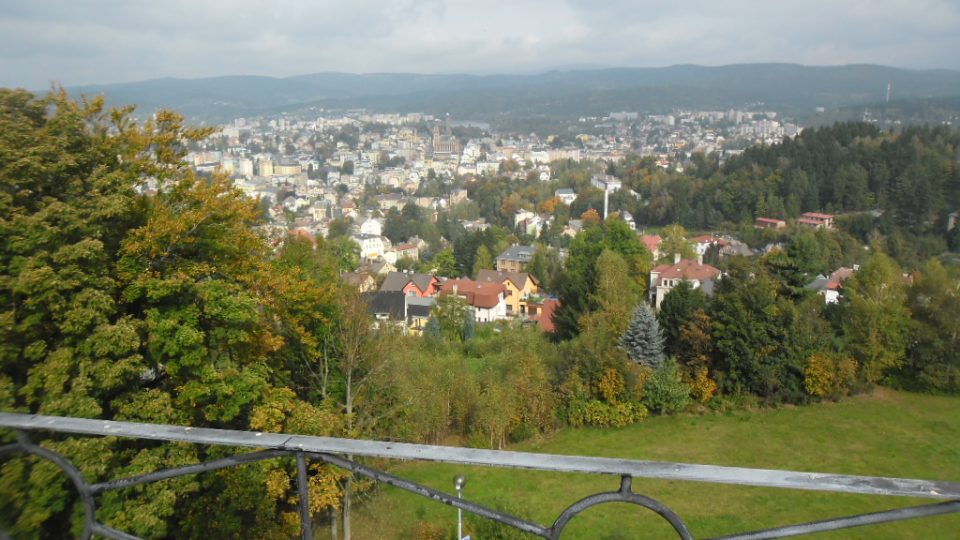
134	290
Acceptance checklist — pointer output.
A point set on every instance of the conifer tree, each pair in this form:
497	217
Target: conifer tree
643	340
432	327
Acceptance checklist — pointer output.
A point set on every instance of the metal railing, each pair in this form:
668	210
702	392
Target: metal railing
331	450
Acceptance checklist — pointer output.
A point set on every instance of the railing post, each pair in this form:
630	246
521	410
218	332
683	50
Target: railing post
306	521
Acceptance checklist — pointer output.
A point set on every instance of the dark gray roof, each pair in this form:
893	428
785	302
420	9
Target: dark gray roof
390	303
518	253
818	284
396	281
420	307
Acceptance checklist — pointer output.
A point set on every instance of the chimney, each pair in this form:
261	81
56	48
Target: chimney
676	258
700	260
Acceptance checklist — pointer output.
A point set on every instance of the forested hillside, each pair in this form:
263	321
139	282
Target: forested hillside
790	88
900	186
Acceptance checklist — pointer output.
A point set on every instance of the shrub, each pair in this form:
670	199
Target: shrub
594	412
828	375
665	391
702	387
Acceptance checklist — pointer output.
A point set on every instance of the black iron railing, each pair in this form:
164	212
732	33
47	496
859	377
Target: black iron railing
332	450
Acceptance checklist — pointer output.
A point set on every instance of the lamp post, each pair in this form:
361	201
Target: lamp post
458	482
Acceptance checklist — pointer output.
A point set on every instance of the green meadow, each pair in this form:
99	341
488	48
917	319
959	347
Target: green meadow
887	433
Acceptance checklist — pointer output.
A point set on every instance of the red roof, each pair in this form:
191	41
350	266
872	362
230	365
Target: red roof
481	295
545	317
836	279
652	241
708	239
687	269
814	215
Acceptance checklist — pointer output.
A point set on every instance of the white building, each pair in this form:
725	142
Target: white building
606	182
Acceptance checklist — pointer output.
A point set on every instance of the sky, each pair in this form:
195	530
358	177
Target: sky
74	42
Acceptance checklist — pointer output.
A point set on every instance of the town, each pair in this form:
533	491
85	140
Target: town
337	174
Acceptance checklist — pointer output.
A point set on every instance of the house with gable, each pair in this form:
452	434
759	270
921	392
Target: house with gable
816	220
830	286
418	313
704	242
566	195
665	277
488	300
515	258
372	246
377	268
362	281
520	287
412	284
372	227
769	223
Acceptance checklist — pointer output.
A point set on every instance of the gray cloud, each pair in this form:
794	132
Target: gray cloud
100	41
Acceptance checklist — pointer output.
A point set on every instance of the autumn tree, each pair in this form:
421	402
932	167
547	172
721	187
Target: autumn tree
162	308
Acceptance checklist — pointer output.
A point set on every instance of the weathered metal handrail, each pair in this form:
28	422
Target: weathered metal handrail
329	450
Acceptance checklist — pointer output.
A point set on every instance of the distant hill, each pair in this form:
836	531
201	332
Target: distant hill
789	88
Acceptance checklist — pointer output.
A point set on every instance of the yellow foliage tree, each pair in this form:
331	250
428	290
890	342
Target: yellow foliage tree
829	375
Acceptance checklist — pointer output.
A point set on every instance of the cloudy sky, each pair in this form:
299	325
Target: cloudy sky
104	41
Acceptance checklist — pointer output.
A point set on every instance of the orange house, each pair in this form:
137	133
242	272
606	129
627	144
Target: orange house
520	286
421	285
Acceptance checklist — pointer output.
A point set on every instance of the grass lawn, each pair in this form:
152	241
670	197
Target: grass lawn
886	434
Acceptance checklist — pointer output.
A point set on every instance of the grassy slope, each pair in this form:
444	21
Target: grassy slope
886	434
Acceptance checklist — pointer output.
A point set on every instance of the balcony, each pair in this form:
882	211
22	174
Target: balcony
333	451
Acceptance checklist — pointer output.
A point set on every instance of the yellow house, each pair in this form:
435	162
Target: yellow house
520	286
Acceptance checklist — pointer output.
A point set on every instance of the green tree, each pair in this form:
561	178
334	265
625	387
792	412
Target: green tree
444	263
643	339
806	251
118	305
676	310
483	261
452	312
934	300
876	320
761	339
346	253
580	277
432	328
675	242
339	227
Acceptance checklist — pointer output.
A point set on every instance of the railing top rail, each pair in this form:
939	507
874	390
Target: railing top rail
840	483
